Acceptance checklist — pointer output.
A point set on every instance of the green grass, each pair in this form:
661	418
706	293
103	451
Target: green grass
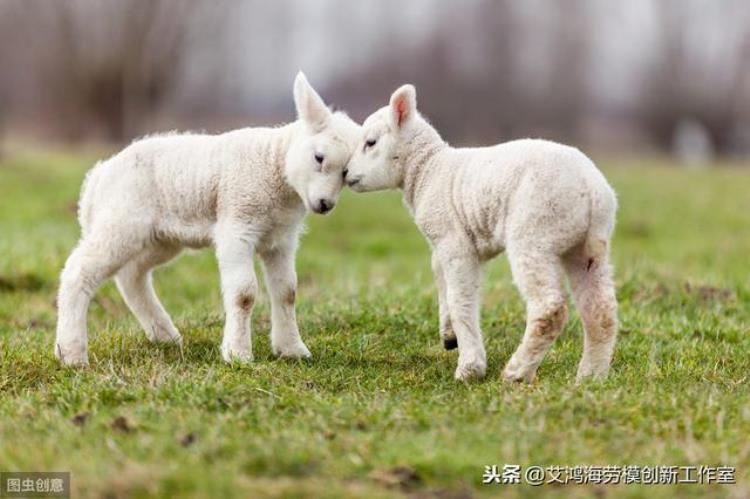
379	392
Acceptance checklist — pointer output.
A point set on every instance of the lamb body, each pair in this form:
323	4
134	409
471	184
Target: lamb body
543	203
244	191
517	190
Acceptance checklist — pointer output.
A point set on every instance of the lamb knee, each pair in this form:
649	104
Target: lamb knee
290	297
547	323
245	300
601	318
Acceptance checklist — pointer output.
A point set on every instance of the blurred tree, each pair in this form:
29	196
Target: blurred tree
486	70
110	66
481	78
680	85
4	63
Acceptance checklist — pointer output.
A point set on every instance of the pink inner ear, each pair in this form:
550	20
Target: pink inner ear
401	109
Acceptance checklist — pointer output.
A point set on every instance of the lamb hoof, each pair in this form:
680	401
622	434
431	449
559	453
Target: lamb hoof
469	371
510	377
164	334
516	373
450	343
591	374
296	351
72	357
231	355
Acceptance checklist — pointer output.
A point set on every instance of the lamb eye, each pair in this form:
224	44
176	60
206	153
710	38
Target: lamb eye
319	158
370	142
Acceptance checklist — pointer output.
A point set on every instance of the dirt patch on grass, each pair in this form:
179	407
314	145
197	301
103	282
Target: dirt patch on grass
80	419
402	477
22	283
706	293
649	293
122	424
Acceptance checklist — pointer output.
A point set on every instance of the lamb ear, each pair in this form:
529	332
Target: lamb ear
310	107
403	104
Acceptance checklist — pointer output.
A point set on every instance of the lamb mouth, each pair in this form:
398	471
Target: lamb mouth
355	184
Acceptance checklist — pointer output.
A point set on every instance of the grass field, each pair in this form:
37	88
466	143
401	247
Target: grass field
377	413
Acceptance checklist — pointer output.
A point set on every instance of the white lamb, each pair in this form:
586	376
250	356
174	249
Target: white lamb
546	204
244	191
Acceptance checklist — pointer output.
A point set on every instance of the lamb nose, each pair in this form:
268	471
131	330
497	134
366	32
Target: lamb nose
325	206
